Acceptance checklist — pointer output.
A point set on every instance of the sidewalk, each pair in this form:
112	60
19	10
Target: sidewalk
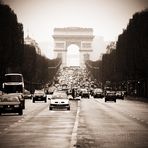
142	99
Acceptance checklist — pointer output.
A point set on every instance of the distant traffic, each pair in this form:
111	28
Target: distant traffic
71	83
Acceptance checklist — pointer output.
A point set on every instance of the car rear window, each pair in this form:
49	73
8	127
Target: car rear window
9	99
59	96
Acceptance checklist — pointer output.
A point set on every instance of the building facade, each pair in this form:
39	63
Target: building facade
30	41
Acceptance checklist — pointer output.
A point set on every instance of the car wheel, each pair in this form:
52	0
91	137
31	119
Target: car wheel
105	100
21	112
68	108
50	108
115	100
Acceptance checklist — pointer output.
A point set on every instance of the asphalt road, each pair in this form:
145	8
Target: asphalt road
38	127
91	123
112	125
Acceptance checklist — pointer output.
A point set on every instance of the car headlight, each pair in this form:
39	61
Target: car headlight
16	105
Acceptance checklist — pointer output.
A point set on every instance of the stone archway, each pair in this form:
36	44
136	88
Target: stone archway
64	37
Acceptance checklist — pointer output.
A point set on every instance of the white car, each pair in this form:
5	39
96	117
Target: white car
59	100
120	94
98	93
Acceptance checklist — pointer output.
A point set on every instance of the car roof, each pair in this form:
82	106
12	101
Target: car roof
13	74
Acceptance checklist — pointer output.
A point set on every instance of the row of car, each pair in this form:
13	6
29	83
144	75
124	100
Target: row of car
15	103
78	84
58	98
71	84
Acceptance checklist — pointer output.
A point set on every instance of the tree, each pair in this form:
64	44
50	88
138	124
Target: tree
11	41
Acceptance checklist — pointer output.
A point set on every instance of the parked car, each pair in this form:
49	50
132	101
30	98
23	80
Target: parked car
10	104
59	100
110	96
39	95
98	93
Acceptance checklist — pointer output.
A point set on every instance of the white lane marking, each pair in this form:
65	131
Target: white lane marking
75	128
129	114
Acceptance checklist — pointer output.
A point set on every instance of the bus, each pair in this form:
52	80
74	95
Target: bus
13	83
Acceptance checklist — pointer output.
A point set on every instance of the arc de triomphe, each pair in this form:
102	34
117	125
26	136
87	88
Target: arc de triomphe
64	37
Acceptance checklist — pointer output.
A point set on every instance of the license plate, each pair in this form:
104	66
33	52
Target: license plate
8	108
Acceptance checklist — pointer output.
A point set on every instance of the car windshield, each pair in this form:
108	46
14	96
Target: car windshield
9	99
59	96
84	90
98	90
13	89
111	92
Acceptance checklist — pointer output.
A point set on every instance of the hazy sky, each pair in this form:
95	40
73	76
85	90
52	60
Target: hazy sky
107	17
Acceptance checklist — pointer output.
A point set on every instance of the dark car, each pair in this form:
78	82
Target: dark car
39	95
20	97
110	96
10	104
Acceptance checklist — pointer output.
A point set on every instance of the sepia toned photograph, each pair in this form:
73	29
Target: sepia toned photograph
73	73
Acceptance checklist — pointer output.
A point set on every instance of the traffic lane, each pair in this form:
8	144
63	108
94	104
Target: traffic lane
134	109
102	126
42	129
137	109
9	120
